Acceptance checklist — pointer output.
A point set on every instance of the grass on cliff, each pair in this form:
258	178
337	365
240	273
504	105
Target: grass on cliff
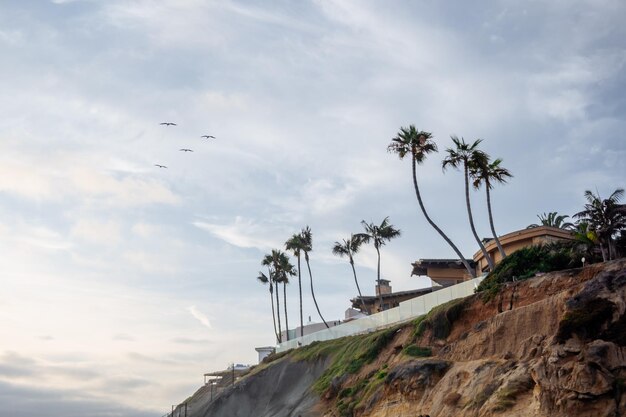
440	319
524	264
349	354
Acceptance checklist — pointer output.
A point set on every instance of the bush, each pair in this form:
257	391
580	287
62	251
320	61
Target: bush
525	263
418	351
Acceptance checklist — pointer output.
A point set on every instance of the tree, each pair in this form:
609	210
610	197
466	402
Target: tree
268	261
348	248
295	245
606	218
418	144
489	173
281	269
307	246
264	279
379	235
467	155
553	219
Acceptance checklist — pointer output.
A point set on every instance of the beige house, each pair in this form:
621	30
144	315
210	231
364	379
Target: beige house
447	272
370	304
444	272
517	240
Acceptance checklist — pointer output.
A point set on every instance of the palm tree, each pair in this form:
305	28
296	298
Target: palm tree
467	155
553	219
295	245
285	270
419	144
307	246
348	248
380	235
606	218
487	174
264	279
281	269
268	261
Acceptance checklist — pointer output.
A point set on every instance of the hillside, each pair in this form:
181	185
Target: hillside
551	345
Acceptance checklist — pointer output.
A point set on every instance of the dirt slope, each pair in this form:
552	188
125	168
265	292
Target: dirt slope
552	345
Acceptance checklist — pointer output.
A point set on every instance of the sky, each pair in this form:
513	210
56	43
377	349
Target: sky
123	283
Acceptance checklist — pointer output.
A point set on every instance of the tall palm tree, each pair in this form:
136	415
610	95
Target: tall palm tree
606	218
281	269
295	245
553	219
264	279
487	173
268	261
286	269
379	235
307	246
348	248
418	144
467	155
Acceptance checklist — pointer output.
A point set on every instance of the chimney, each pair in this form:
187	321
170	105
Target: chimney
384	288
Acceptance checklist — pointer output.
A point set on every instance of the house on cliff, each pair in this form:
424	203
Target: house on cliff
447	272
370	304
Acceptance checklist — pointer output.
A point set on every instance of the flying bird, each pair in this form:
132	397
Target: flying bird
208	136
168	124
185	150
160	166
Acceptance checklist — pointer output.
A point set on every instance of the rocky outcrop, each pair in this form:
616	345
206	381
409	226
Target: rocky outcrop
553	345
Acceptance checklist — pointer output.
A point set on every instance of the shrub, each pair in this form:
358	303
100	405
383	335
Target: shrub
418	351
525	263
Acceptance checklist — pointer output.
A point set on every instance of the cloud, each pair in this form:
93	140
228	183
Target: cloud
204	320
36	402
245	233
97	231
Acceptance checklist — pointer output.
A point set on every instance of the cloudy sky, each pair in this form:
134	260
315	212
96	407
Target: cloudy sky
123	283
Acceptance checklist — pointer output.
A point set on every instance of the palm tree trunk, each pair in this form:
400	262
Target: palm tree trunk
274	316
285	307
300	292
380	294
357	284
466	264
280	331
471	220
493	230
306	258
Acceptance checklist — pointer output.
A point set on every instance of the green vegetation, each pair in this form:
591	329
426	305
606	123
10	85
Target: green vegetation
440	319
586	320
417	351
349	354
523	264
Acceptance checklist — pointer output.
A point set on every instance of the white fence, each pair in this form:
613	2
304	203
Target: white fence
407	310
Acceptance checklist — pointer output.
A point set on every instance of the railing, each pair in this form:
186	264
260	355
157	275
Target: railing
407	310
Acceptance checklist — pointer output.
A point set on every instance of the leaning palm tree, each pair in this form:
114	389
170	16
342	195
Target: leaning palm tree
467	155
268	261
487	173
418	144
606	218
264	279
553	219
295	245
307	246
379	235
348	248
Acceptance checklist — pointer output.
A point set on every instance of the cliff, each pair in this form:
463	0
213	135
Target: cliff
551	345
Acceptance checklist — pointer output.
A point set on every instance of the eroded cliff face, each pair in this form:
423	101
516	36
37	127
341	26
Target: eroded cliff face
553	345
550	346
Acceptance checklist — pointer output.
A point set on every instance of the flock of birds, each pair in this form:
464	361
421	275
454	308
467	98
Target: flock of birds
181	149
